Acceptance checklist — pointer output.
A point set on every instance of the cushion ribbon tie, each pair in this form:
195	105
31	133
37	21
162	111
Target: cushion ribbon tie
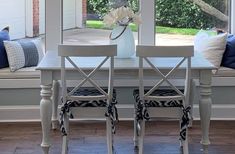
184	122
112	114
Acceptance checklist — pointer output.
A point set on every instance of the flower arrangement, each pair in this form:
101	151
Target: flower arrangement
121	16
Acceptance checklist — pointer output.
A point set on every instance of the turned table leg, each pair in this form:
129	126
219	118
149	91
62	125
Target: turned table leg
46	113
205	104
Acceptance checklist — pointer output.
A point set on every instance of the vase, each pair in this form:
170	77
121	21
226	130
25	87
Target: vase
123	37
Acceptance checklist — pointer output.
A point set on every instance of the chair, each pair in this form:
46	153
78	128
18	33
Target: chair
99	100
157	101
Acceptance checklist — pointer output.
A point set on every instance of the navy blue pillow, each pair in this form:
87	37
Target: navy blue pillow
229	54
4	35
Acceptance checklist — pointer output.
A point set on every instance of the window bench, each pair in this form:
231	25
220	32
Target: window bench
30	78
223	77
22	88
23	73
22	78
224	72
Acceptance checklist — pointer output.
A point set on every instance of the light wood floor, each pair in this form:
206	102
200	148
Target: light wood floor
89	138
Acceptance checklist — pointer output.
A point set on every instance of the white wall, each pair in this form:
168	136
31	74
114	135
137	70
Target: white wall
79	18
12	13
69	15
72	15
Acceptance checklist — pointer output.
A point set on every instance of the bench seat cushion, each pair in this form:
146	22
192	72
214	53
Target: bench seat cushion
224	72
23	73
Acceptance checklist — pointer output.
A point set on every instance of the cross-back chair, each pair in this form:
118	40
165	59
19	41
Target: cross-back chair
158	101
102	100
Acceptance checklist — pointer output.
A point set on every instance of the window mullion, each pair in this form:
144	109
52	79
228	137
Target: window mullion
53	25
147	28
232	16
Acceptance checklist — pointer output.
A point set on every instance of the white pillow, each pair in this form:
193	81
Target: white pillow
212	47
23	53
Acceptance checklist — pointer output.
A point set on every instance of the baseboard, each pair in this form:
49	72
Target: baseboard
32	113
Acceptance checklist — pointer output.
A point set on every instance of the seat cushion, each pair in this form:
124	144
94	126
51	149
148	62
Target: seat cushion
111	111
89	92
224	72
23	73
159	92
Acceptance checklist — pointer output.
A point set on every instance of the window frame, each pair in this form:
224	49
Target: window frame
146	35
232	17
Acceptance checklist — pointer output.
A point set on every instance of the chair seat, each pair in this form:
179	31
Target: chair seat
111	108
88	92
159	92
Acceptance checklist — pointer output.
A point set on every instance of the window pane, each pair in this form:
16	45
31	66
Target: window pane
83	20
178	21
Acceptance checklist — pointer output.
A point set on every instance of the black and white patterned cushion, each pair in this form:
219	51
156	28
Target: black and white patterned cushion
159	92
89	92
111	111
142	107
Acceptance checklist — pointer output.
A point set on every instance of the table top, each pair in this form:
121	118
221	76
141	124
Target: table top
51	61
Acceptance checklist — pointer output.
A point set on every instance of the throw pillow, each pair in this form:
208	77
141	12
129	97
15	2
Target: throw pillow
4	35
202	35
212	47
229	54
23	53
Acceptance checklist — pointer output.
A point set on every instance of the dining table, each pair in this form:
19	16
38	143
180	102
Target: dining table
125	74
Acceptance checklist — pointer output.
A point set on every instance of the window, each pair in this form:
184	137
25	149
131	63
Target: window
178	21
146	35
83	20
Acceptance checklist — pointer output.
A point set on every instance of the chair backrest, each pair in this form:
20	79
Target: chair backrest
184	53
68	51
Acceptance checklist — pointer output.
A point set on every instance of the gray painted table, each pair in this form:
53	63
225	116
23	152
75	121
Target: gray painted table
125	70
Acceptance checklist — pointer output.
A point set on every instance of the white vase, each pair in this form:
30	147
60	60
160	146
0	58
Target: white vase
123	37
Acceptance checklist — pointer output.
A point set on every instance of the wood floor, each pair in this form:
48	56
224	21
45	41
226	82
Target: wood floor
89	138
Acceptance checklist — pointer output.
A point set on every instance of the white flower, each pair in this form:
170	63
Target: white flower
136	19
122	15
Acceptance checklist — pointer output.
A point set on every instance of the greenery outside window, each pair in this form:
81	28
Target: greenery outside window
178	21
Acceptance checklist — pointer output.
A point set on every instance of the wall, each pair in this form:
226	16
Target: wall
74	14
12	17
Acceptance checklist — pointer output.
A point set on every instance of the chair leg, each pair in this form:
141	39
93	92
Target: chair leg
185	143
65	138
181	142
55	100
135	139
109	135
191	101
190	125
141	137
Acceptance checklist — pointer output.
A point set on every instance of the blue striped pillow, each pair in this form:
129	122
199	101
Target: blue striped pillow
23	53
